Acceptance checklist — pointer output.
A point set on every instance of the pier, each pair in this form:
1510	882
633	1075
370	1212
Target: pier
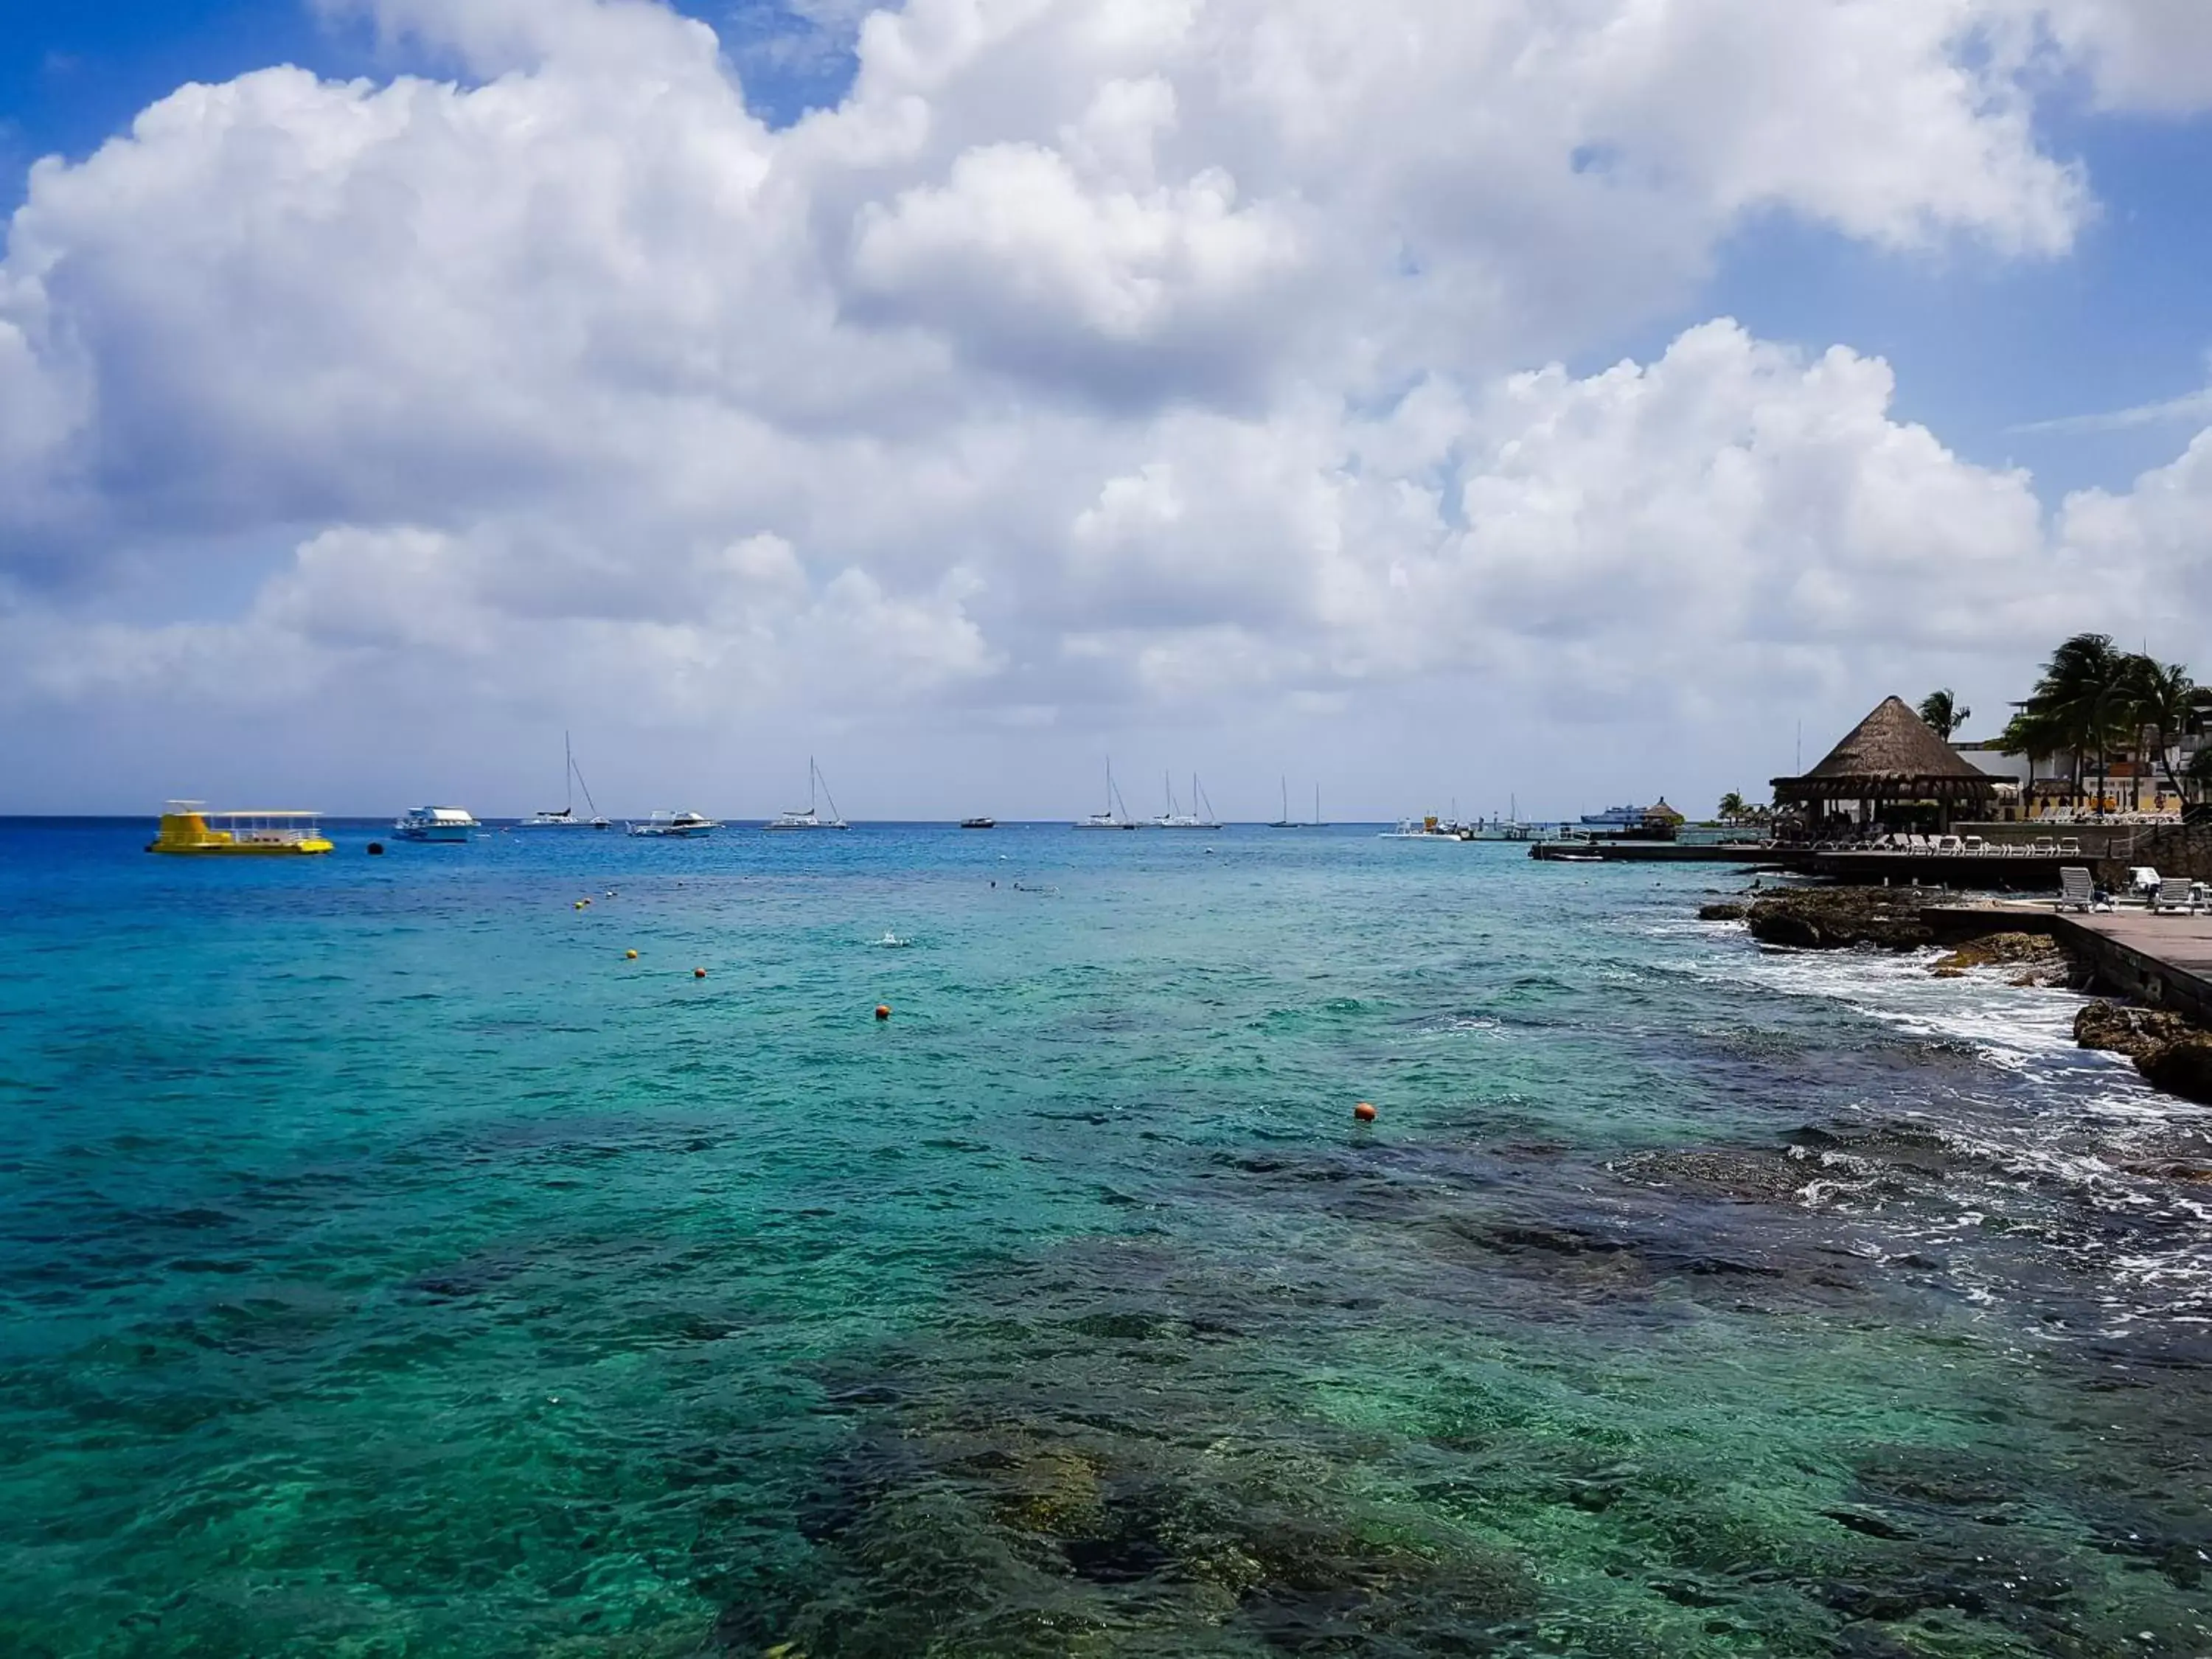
2017	869
2164	959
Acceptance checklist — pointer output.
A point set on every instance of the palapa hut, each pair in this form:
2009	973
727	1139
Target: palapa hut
1891	757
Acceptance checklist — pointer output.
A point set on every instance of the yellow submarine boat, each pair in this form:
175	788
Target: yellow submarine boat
188	827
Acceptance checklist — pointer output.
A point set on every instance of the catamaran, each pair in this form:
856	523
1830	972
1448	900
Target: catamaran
565	817
1116	815
1174	818
811	818
442	823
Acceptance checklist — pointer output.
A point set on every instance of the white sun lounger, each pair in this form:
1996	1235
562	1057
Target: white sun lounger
2174	893
2075	890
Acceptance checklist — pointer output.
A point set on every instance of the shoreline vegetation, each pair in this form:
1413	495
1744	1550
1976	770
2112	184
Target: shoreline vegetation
2172	1052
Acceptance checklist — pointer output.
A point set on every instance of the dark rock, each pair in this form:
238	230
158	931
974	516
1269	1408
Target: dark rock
1831	918
2123	1029
1725	910
2183	1068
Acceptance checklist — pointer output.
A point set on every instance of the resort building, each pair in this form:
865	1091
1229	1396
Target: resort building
1892	770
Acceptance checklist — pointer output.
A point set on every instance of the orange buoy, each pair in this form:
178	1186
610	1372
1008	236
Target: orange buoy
698	973
1363	1112
883	1011
629	956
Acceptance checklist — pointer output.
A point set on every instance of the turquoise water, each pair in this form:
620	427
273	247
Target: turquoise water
392	1267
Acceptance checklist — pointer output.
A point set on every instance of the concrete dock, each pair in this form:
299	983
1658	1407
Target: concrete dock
1993	871
2163	959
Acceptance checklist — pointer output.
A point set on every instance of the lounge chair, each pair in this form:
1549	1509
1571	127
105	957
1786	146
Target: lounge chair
2174	893
1949	844
2075	890
1975	845
1917	844
2069	848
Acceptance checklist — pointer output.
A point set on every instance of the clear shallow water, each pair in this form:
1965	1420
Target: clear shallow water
390	1267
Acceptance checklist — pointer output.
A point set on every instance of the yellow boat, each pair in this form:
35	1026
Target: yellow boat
188	827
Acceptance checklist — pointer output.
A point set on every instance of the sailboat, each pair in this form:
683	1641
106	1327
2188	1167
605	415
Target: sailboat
1287	822
1116	815
811	818
565	817
1174	818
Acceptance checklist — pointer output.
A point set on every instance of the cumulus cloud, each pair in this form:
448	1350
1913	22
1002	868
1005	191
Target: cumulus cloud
2152	55
1088	353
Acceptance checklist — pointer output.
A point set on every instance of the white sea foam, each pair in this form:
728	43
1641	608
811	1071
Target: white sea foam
2062	1126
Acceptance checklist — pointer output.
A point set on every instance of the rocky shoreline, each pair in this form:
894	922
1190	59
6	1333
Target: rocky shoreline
2172	1052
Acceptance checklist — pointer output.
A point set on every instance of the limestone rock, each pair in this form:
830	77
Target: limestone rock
2124	1029
1723	910
2041	960
1830	918
2183	1068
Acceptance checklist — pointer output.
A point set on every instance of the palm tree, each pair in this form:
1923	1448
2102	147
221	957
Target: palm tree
2077	702
1732	809
2166	705
1943	711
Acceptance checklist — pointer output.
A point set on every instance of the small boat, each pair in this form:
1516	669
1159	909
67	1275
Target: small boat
675	825
565	817
979	823
187	827
1431	828
442	823
812	818
1116	815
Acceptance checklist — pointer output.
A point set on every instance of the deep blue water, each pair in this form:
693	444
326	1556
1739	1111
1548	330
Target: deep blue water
393	1267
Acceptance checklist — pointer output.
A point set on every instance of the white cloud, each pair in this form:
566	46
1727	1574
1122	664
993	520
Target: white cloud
2153	55
1105	354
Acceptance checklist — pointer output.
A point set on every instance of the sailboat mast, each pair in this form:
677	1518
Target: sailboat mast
567	775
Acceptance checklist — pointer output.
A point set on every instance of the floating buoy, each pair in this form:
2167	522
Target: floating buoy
580	904
376	850
883	1011
1364	1112
629	956
698	973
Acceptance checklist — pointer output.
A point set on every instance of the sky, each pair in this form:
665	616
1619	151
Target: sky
1552	403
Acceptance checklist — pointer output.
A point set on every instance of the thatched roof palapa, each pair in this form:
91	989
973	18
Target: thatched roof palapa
1891	755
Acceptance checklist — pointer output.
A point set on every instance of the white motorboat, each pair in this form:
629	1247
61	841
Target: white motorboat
675	825
1427	828
564	817
1116	815
442	823
812	818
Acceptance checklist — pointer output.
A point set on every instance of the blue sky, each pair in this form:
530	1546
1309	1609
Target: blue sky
1066	399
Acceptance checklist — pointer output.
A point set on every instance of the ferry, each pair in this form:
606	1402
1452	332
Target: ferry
442	823
188	827
1615	817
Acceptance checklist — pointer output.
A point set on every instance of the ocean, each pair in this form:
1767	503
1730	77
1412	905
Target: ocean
393	1266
